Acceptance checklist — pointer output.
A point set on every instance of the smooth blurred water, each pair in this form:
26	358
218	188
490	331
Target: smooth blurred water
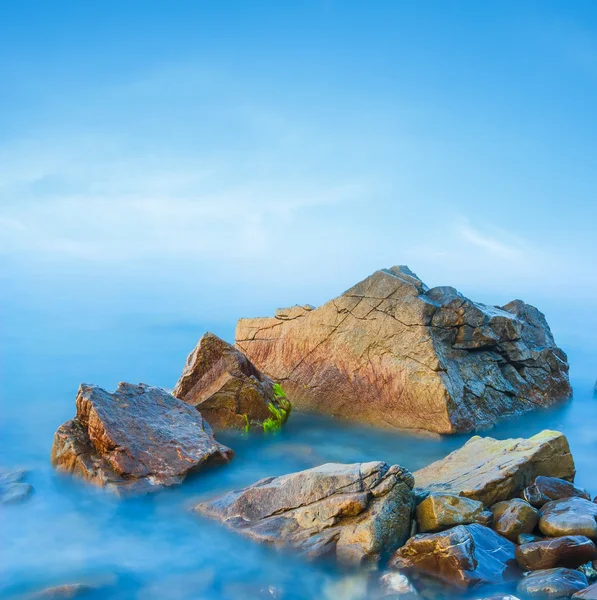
154	547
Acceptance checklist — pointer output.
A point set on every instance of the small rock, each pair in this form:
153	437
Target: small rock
552	583
440	511
485	517
229	390
588	593
526	538
569	551
397	584
465	556
62	592
12	487
544	489
589	571
569	516
513	517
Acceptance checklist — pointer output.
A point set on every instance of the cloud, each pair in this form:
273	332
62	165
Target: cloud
498	243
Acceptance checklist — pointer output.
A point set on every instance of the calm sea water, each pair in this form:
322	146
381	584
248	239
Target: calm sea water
154	547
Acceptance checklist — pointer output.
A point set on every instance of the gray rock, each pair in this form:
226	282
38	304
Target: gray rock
394	353
353	512
550	584
136	439
12	487
588	593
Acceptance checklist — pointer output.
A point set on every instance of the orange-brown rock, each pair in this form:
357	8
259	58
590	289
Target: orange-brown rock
222	383
512	518
568	551
392	352
135	439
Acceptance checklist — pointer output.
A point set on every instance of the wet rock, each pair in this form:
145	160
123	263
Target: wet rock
351	512
485	517
569	516
392	352
544	489
397	584
569	551
492	470
513	517
465	556
228	390
135	439
588	593
552	583
526	538
589	571
440	511
12	487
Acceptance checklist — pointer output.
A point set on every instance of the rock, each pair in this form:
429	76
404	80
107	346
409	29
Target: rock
513	517
588	593
552	583
352	512
62	592
569	551
136	439
544	489
465	556
492	470
526	538
12	487
228	390
394	353
569	516
397	584
589	571
440	511
485	517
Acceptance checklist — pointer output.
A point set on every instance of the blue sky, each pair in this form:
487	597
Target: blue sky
211	160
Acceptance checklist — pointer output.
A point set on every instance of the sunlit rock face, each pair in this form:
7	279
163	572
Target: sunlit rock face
352	512
137	439
392	352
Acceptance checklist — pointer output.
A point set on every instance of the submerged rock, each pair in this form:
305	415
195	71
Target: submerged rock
222	383
465	556
552	583
544	489
568	551
569	516
353	512
492	470
397	584
137	438
514	517
12	487
62	592
392	352
588	593
440	511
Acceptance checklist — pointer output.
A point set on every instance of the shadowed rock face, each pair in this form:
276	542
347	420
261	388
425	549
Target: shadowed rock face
491	470
568	551
465	556
135	439
392	352
228	389
353	512
549	584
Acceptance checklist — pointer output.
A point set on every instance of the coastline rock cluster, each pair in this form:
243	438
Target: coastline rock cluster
392	352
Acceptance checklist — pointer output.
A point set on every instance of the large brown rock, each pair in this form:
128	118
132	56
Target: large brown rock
137	439
568	551
465	556
352	512
222	383
514	517
569	516
491	470
545	489
392	352
551	584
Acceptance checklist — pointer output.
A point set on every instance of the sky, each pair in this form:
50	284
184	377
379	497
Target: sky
197	162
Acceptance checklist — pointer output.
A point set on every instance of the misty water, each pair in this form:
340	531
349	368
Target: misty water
154	546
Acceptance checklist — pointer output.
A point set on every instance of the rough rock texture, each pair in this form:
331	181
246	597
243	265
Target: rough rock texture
467	555
513	517
492	470
545	489
550	584
569	551
588	593
569	516
12	487
392	352
135	439
440	511
228	389
354	511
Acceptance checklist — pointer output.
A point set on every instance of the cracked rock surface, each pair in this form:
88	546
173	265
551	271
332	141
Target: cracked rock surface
491	470
352	512
135	439
392	352
221	382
